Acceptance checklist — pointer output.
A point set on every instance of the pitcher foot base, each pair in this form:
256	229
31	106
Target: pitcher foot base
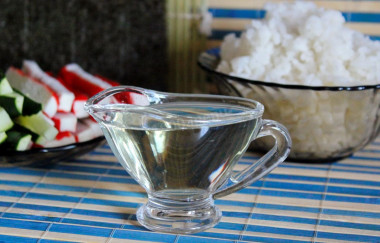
179	221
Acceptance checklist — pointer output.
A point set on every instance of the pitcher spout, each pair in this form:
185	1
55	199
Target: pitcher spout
103	106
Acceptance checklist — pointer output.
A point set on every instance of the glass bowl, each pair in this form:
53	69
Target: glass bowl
48	156
325	123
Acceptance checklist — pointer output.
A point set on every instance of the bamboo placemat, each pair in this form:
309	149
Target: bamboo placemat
92	199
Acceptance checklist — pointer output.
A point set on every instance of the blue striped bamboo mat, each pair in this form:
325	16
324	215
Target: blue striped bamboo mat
92	199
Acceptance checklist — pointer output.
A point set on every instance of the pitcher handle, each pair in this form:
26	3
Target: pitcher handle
265	164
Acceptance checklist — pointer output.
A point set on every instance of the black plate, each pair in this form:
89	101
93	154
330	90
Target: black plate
46	156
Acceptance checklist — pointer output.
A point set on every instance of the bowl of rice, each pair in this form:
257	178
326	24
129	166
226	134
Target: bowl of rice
313	74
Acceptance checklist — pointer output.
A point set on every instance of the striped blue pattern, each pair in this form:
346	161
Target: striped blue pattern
259	14
92	198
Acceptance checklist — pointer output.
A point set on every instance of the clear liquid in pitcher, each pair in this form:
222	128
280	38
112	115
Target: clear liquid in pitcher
176	158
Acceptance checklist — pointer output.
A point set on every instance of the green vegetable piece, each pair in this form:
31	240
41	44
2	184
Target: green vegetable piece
30	106
18	140
12	103
36	138
6	122
5	87
39	124
3	137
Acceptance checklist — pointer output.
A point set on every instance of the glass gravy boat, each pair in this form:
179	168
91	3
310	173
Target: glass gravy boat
181	148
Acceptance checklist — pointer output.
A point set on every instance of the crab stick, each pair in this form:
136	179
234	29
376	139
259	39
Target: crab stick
62	139
85	131
127	97
65	96
65	122
94	126
78	106
133	98
137	99
78	79
34	89
79	101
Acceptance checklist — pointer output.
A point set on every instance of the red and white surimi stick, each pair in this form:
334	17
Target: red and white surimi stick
65	96
79	100
129	97
83	132
34	89
138	99
78	106
65	122
94	126
62	139
78	79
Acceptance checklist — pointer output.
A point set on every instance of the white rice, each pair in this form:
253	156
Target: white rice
300	43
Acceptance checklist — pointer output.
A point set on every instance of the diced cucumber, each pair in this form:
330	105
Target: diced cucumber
39	124
36	138
18	140
3	137
5	87
30	107
6	122
12	103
